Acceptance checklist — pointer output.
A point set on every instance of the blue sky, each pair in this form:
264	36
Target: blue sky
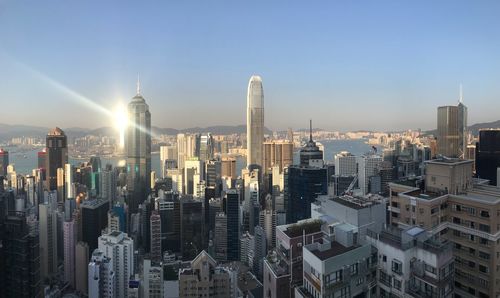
346	64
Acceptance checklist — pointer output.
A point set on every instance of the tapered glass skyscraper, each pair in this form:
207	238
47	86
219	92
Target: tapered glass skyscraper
255	121
452	130
138	148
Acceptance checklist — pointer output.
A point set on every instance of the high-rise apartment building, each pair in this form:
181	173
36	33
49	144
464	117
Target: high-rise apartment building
101	276
220	238
81	262
20	258
206	147
152	280
119	248
204	278
138	150
108	184
155	229
48	240
456	207
413	263
70	238
255	121
283	268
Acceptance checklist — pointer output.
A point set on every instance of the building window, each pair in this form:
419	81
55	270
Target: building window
434	210
484	228
483	269
430	269
345	292
359	281
485	213
483	255
397	266
483	241
334	277
354	269
385	279
384	258
397	284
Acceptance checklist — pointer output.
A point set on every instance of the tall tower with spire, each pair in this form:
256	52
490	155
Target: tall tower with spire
310	151
452	129
255	121
138	150
462	125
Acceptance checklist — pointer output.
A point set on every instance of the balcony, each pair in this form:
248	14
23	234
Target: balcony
419	293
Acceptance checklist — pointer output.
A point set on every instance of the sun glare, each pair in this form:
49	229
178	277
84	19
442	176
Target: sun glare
120	122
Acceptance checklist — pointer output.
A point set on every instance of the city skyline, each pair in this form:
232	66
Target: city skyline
193	63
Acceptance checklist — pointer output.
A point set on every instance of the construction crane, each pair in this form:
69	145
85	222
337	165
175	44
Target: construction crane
348	191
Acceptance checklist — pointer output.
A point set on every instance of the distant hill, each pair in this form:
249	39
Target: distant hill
7	131
475	127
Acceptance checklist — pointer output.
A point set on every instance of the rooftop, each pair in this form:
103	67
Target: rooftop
56	132
298	229
413	236
335	249
358	202
421	194
448	161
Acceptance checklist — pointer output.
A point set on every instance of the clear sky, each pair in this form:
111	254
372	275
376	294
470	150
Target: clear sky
346	64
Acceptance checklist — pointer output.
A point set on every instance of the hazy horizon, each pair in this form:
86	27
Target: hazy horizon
363	65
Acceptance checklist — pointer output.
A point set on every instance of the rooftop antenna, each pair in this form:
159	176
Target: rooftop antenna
461	99
138	85
310	130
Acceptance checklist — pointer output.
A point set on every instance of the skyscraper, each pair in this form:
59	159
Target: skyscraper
232	204
68	181
81	262
311	152
451	130
70	238
255	121
94	220
277	153
4	162
155	221
488	155
138	148
57	155
167	153
20	258
367	167
191	228
48	240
